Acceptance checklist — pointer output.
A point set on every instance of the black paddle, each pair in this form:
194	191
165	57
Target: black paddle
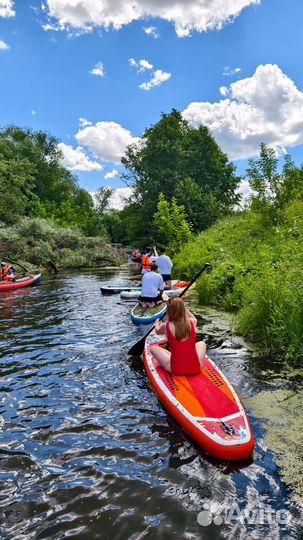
138	348
14	262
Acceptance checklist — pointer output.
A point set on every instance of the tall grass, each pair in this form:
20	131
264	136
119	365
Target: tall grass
257	273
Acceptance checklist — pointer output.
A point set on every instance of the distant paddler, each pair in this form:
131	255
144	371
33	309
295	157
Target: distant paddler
8	272
152	288
165	265
149	257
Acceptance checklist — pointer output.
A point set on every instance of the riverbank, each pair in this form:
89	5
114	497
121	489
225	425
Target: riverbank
34	242
257	274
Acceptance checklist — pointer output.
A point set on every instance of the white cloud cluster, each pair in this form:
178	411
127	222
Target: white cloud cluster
98	70
6	8
151	31
266	107
141	66
106	140
110	175
3	46
186	15
75	159
158	78
228	71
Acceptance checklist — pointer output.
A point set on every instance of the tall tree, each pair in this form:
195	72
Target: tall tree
174	157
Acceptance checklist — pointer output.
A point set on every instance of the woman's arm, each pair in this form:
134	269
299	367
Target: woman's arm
160	327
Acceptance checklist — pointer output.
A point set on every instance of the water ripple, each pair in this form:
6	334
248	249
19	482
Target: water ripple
87	452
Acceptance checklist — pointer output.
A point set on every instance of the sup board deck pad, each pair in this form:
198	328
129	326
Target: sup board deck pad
205	405
139	311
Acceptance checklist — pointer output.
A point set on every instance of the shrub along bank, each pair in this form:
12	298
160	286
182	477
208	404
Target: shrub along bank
257	272
36	241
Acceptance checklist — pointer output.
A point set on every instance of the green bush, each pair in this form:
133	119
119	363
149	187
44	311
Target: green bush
35	241
258	272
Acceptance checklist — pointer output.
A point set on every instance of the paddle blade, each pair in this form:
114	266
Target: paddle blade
138	348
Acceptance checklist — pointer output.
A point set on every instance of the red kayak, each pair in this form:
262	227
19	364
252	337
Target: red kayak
22	282
205	405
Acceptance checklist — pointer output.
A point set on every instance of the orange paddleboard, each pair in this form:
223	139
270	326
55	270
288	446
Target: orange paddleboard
205	405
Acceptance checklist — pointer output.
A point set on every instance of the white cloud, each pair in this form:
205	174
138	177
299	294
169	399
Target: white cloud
110	175
6	8
120	197
33	113
3	46
186	15
142	65
75	159
83	122
151	31
223	90
107	140
133	62
245	192
266	107
98	70
158	78
228	71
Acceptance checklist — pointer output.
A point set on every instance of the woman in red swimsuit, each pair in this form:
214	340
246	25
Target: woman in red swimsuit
185	356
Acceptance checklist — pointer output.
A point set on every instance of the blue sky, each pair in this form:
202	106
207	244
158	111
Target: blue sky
65	68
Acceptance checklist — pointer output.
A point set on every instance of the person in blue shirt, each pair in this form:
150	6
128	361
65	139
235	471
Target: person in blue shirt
152	288
165	265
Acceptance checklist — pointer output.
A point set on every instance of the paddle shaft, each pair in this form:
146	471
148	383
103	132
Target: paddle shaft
14	262
138	348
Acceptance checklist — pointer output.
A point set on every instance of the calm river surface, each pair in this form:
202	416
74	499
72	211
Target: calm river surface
86	450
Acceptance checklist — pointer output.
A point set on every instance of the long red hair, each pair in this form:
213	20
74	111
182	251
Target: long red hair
176	312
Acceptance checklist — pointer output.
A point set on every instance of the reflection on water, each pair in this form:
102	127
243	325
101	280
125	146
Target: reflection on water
87	452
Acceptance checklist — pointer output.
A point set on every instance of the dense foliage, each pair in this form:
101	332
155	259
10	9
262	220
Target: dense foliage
33	182
36	241
258	259
177	162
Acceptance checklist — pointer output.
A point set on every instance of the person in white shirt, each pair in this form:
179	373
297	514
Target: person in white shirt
152	288
165	265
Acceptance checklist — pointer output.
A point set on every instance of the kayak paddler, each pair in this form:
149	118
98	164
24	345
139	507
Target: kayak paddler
8	273
152	288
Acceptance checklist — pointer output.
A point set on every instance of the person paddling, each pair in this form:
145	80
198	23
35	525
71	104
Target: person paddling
185	356
165	265
152	288
8	273
147	259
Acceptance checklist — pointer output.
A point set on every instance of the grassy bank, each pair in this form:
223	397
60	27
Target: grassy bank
36	241
258	273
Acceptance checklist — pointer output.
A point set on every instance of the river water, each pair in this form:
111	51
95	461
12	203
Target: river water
87	452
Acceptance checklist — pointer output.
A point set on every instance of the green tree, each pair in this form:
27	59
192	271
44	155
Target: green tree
103	196
171	153
34	182
17	197
170	223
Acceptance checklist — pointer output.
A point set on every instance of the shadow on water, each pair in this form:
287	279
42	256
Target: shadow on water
87	452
